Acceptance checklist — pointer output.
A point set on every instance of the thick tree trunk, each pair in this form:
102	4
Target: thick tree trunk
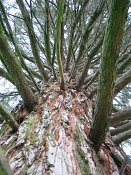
54	139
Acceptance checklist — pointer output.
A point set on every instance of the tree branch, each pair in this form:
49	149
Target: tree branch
122	137
110	53
122	82
121	129
121	116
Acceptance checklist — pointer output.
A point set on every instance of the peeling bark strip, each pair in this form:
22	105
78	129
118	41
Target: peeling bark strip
112	39
55	140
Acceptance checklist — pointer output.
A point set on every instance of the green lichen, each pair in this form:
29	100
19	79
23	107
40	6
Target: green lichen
2	171
33	138
83	163
78	135
80	154
27	131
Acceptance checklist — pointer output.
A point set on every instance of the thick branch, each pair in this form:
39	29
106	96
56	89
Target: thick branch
47	37
16	45
73	27
6	75
122	137
85	38
32	38
57	37
88	62
121	129
9	119
111	45
122	81
16	72
121	116
119	85
120	123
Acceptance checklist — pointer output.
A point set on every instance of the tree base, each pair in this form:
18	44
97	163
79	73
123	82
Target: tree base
54	139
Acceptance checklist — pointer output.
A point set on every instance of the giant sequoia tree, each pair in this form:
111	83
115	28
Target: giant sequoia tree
69	60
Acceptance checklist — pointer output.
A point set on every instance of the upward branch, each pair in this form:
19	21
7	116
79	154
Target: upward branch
32	37
112	39
16	72
16	45
57	38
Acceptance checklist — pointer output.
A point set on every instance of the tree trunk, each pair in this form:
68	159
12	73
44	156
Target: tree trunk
54	139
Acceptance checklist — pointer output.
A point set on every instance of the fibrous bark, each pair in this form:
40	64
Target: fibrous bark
54	139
